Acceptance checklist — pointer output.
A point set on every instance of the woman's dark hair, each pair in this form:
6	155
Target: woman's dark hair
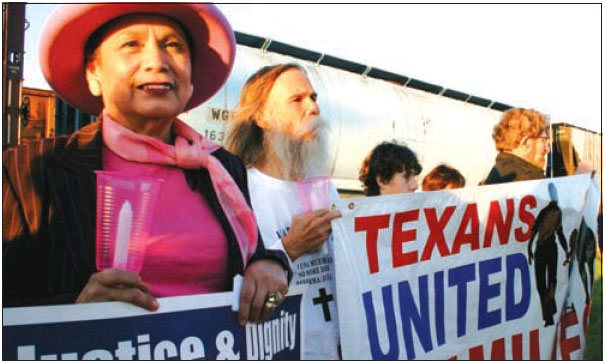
386	159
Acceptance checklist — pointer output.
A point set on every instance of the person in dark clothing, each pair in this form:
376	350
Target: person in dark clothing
547	227
522	141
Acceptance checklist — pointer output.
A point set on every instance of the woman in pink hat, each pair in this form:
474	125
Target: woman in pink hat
138	66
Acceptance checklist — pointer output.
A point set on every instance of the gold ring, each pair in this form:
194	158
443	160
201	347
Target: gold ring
279	298
273	300
270	305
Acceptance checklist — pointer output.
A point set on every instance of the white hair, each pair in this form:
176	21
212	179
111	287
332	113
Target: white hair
301	158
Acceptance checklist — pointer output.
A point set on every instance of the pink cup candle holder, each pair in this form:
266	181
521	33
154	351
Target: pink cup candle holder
314	194
125	206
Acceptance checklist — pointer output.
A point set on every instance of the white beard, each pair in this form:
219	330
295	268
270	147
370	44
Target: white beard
302	158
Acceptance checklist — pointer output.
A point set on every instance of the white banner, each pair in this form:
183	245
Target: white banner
448	274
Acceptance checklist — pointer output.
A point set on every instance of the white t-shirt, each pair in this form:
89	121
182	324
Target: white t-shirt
275	202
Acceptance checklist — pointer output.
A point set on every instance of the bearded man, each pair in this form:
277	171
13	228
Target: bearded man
279	135
522	141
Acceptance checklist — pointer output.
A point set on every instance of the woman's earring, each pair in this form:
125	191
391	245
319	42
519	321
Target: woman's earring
95	88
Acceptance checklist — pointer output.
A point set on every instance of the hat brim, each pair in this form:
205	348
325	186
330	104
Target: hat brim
69	27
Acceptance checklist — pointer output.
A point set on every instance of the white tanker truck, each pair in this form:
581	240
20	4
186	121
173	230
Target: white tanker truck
364	106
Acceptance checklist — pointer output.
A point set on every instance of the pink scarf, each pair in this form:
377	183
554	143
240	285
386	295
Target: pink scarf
190	151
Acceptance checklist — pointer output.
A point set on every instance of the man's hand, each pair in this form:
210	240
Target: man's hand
118	285
262	278
308	231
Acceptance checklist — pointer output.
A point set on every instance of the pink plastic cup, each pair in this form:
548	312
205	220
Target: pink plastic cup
314	193
125	205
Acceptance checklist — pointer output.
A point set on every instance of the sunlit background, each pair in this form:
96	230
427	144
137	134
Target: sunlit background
546	57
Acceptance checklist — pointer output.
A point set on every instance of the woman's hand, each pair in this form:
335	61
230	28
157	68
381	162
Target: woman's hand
308	231
118	285
262	278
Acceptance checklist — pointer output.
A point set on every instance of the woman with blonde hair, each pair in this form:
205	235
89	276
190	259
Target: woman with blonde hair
522	140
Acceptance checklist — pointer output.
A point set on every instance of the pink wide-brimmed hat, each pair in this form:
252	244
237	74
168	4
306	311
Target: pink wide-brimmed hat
65	34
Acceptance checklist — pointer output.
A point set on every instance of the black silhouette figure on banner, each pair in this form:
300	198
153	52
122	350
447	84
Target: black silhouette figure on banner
548	223
582	247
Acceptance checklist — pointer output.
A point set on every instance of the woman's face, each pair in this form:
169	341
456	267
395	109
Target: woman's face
142	69
398	184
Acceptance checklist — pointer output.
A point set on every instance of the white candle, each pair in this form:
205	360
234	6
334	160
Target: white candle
120	255
238	280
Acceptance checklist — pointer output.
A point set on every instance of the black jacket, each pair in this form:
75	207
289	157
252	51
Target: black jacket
49	217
